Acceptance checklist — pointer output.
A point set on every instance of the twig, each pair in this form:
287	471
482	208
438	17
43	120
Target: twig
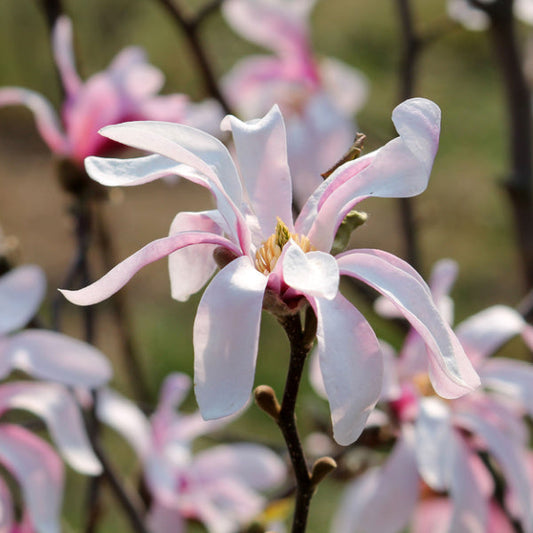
517	94
190	27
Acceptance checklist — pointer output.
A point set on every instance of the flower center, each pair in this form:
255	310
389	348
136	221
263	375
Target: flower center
267	256
423	384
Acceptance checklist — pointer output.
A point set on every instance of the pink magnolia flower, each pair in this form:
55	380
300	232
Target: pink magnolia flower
33	462
269	260
441	442
318	98
473	18
218	486
127	90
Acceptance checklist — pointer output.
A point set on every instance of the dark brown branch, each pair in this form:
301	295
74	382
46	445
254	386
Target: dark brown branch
517	94
191	27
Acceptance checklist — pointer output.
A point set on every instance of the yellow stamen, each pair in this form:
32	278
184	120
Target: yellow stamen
267	256
422	383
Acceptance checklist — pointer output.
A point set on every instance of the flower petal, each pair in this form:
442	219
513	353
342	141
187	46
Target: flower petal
21	293
312	273
56	357
261	147
64	56
483	333
191	267
351	365
38	470
54	404
400	169
382	499
116	278
226	335
451	373
46	118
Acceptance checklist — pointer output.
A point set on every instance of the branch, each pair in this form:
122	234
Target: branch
190	27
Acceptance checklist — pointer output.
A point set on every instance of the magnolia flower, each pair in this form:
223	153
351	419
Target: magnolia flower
440	442
267	260
473	18
217	486
47	355
127	90
318	98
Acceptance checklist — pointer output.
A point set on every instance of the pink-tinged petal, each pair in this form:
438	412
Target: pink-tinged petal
116	278
315	375
226	335
126	418
510	377
443	276
283	27
165	519
382	499
434	443
38	470
346	86
470	17
351	365
55	405
312	273
21	293
64	56
451	372
523	10
432	515
45	116
251	464
261	147
391	389
511	459
471	487
56	357
400	169
191	267
205	115
483	333
129	172
6	508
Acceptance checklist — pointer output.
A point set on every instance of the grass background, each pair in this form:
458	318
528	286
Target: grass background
464	214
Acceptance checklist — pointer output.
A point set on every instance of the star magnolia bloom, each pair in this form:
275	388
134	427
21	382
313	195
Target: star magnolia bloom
440	442
127	90
47	355
318	98
475	19
218	486
271	260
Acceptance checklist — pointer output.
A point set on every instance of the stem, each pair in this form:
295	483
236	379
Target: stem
190	27
518	183
411	44
300	347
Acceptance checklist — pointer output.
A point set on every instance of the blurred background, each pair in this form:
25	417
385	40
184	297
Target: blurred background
464	214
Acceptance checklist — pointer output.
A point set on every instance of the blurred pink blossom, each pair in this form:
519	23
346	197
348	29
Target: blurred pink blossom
127	90
218	486
440	442
268	260
318	98
33	462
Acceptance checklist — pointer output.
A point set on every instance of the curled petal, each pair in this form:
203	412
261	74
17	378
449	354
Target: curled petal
261	147
64	55
226	335
21	293
191	267
46	118
52	356
312	273
451	372
382	499
116	278
38	470
351	365
54	404
400	169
